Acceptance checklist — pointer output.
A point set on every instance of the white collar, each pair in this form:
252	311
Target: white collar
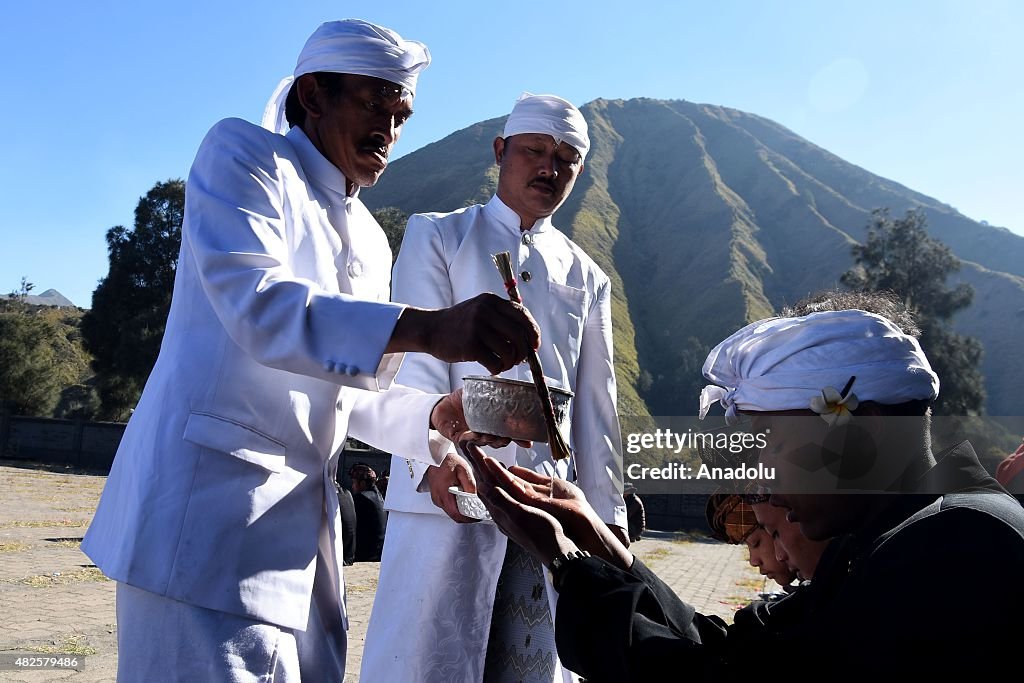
500	212
316	165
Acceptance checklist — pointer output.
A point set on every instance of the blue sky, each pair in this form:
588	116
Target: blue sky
103	99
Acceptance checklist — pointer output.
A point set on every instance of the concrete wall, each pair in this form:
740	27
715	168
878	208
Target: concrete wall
92	445
89	445
676	511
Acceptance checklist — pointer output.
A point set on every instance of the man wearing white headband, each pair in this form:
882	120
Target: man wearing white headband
838	394
220	519
439	571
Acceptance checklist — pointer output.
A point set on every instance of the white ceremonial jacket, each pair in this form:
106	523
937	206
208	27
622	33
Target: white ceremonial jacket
436	573
222	488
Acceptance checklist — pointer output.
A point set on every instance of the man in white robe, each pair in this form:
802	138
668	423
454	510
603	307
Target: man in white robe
219	520
432	617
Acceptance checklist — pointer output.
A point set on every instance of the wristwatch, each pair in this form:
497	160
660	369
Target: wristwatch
561	564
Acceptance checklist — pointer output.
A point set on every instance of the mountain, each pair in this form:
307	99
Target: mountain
50	297
707	218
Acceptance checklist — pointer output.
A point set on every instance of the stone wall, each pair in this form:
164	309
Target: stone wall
676	511
89	445
92	445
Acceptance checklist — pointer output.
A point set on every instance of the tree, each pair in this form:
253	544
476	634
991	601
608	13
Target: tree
21	294
392	220
675	391
901	257
125	326
40	356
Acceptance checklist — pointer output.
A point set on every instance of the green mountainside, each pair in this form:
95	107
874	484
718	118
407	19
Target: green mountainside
707	218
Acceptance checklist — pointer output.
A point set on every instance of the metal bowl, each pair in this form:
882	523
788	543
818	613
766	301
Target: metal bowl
511	408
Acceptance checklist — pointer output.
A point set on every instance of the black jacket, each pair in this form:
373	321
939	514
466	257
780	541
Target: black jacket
348	524
371	522
932	586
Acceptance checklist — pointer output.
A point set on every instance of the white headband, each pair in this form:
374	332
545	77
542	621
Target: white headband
782	363
549	115
351	46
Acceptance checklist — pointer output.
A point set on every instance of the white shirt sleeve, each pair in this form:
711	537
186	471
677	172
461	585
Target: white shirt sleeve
595	429
241	238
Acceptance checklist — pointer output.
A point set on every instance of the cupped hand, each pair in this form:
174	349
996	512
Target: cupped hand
535	530
559	499
453	471
568	502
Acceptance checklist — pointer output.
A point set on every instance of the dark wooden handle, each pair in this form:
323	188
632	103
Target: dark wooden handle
559	449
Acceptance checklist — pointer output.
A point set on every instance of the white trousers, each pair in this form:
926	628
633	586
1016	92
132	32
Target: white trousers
435	598
161	639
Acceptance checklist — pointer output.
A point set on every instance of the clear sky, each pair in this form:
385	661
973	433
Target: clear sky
105	98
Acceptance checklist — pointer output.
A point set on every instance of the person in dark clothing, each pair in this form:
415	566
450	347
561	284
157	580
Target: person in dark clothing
348	524
371	520
852	465
636	516
731	519
794	549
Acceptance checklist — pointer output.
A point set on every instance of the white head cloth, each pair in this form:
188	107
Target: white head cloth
549	115
782	363
351	46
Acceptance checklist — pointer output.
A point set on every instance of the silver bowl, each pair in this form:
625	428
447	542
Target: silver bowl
511	408
470	504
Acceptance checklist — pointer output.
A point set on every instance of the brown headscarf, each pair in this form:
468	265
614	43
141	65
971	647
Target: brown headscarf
730	517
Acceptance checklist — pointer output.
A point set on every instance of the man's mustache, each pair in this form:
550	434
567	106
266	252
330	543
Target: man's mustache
543	181
373	145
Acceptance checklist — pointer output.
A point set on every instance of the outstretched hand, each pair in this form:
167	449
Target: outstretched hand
568	504
518	491
534	530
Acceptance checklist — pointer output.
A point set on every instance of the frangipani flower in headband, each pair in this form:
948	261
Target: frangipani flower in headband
835	407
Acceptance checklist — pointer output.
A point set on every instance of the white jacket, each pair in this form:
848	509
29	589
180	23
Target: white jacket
273	351
445	259
439	575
